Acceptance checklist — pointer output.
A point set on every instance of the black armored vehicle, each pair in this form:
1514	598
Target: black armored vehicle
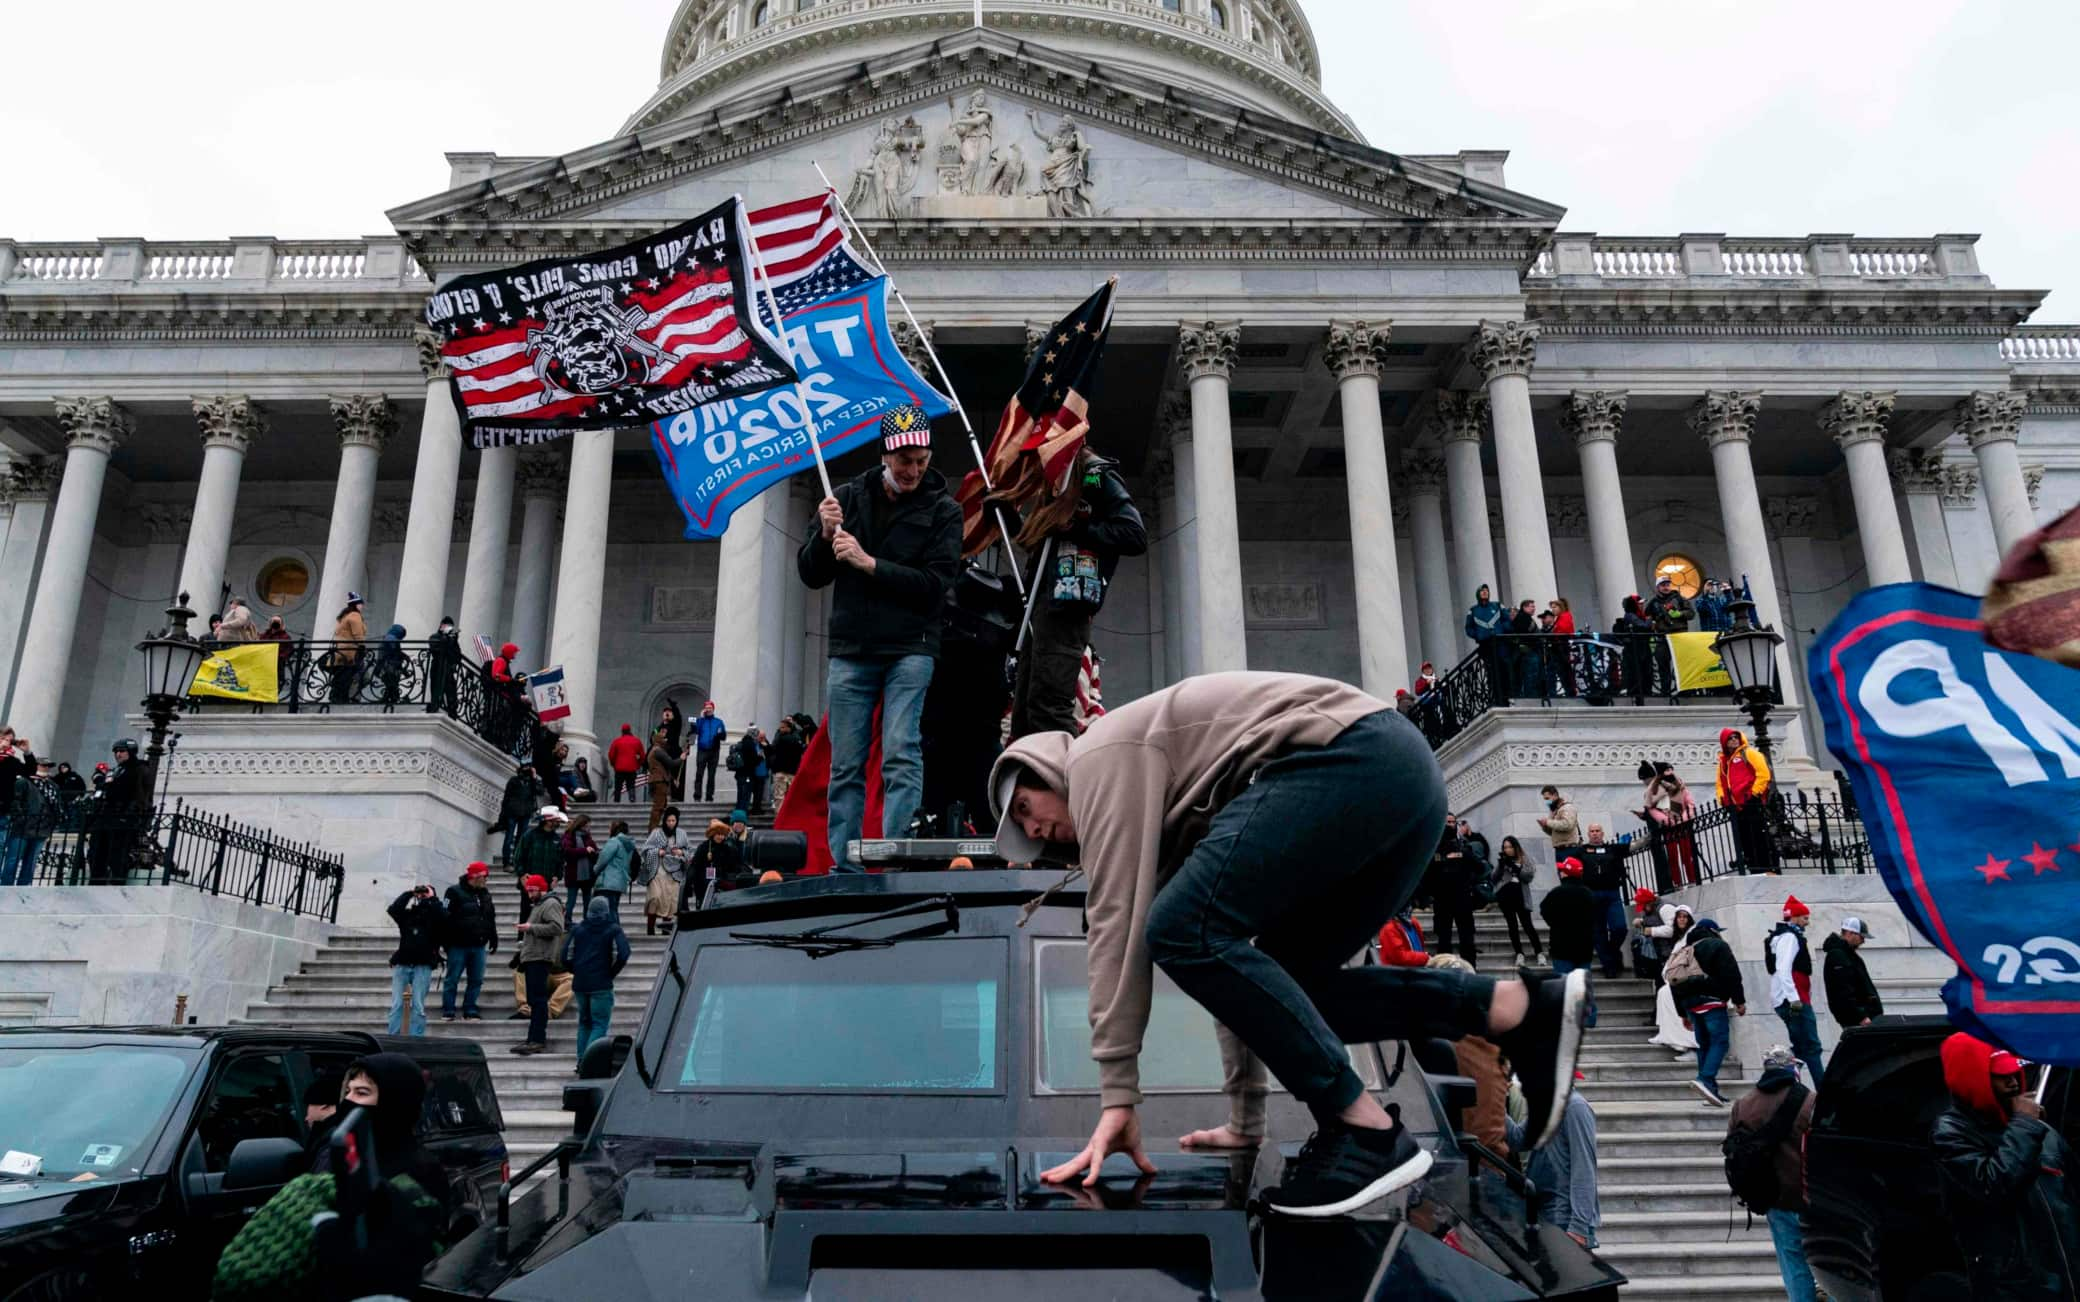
845	1087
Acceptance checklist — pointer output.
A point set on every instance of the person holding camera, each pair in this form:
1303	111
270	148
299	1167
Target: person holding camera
420	920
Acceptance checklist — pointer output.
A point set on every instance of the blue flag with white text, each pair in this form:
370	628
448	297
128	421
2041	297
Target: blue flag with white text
1966	765
718	457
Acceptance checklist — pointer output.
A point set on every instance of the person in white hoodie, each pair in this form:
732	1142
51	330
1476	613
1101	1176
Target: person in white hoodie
1673	931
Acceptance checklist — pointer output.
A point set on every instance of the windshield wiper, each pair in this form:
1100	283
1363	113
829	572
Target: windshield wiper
822	942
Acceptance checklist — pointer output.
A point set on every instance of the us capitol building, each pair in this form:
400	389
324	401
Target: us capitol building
1348	386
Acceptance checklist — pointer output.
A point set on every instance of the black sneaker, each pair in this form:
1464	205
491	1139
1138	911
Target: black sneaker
1544	1048
447	1017
516	1016
1340	1169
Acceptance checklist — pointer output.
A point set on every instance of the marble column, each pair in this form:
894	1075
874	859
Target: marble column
581	574
422	580
1593	416
1175	424
1504	352
29	483
1921	479
1422	483
94	427
229	426
1990	423
1461	420
1353	351
365	423
541	487
751	587
1857	421
1207	351
490	529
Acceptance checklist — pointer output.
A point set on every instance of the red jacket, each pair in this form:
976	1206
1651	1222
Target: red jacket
625	753
1564	625
1403	948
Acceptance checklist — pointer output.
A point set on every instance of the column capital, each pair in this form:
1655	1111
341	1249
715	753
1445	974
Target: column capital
1505	348
1208	348
1422	475
1593	415
1791	517
1356	348
1917	470
1725	415
1990	416
365	420
34	478
97	423
1461	416
1960	486
911	341
540	474
1858	416
2032	480
431	364
229	421
1567	515
1036	334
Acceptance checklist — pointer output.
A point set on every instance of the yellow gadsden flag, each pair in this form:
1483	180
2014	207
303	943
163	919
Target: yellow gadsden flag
1697	665
240	673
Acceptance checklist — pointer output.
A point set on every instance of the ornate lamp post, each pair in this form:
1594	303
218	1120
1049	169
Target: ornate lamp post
1750	656
171	657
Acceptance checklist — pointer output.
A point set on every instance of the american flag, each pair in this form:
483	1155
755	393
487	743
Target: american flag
803	245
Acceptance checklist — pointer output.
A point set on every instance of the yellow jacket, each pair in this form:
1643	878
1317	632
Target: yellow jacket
1743	772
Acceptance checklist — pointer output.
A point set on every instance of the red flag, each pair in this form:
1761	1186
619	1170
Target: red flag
807	806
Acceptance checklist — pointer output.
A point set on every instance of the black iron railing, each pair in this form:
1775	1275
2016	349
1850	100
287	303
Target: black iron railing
86	843
1541	668
358	677
1797	832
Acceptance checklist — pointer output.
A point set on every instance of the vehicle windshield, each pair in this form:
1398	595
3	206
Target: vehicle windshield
921	1017
88	1110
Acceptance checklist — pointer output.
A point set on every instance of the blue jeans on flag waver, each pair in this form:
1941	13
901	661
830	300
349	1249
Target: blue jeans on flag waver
1257	923
463	959
1788	1234
857	684
1805	1037
419	977
1714	1036
595	1012
18	856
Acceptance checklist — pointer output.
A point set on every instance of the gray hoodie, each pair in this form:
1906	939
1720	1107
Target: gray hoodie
1143	784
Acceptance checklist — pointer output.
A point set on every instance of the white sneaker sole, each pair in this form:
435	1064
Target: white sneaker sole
1399	1178
1574	1009
1709	1097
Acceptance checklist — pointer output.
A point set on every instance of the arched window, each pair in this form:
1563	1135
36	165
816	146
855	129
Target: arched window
1217	14
1687	574
282	583
762	14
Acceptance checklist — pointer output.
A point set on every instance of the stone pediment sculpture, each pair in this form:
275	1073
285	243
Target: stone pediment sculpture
881	186
980	172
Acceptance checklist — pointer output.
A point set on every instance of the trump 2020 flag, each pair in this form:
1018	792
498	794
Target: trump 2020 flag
545	690
1966	763
723	455
608	340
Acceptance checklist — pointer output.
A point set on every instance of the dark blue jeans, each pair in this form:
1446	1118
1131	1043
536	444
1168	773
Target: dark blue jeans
1611	931
1277	868
463	960
1805	1037
1714	1037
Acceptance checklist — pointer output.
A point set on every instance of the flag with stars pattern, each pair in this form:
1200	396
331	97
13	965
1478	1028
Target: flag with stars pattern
1965	761
1044	425
616	338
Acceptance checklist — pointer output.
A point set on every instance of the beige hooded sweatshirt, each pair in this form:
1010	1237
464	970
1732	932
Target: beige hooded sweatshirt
1143	784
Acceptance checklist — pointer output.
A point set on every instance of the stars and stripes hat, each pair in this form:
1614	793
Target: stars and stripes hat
905	427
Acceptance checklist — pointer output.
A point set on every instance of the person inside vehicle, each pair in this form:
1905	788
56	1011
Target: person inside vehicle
2009	1187
321	1110
1254	917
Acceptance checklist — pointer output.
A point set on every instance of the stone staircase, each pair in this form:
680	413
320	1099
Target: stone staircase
1669	1222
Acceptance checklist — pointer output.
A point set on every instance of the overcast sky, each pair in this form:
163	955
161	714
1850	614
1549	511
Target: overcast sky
1756	117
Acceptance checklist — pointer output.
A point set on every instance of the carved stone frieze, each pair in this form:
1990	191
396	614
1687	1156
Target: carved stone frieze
1916	470
911	341
2033	479
1209	348
389	518
1960	486
229	421
99	423
1858	416
1036	333
1505	348
979	169
1354	348
1461	416
364	420
1593	415
163	522
881	186
1567	516
1990	416
1725	416
1621	755
1422	475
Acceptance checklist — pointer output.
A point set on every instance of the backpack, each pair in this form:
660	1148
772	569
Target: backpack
1751	1153
1682	966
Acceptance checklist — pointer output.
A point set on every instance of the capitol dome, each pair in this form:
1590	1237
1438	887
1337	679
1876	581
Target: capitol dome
1259	54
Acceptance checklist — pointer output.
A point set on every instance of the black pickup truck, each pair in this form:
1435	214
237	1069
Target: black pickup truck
845	1087
156	1143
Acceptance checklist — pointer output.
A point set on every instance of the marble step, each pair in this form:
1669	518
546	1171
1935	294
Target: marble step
1766	1287
357	943
1657	1145
377	978
1675	1072
1696	1196
1691	1258
1601	1092
1699	1165
1702	1230
1676	1110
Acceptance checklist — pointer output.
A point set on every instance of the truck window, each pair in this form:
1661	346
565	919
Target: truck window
251	1099
90	1110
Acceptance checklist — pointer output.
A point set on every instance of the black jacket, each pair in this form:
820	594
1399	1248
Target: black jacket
12	766
1107	523
595	951
1851	994
1721	979
522	797
1603	865
1452	873
915	541
121	791
1671	612
2009	1192
419	926
785	754
471	918
1570	913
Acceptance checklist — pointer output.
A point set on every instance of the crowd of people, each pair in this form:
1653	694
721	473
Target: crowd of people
38	797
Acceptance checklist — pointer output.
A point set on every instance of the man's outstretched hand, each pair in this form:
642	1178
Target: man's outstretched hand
1218	1137
1119	1131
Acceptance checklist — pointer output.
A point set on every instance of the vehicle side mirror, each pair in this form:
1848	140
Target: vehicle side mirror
264	1163
582	1100
603	1058
771	850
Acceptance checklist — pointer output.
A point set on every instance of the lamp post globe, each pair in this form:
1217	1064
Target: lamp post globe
1749	654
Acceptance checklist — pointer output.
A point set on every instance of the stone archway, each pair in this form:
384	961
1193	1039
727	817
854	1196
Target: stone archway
682	688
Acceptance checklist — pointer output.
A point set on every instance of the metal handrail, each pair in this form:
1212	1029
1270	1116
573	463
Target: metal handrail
561	1155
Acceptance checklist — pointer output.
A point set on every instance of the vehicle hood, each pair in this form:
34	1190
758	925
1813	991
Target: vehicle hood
27	1206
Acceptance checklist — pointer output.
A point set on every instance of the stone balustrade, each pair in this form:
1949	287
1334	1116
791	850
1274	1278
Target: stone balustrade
103	265
2053	345
1715	259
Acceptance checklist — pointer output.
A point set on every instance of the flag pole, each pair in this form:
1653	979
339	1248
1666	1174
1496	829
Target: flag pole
938	367
801	392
